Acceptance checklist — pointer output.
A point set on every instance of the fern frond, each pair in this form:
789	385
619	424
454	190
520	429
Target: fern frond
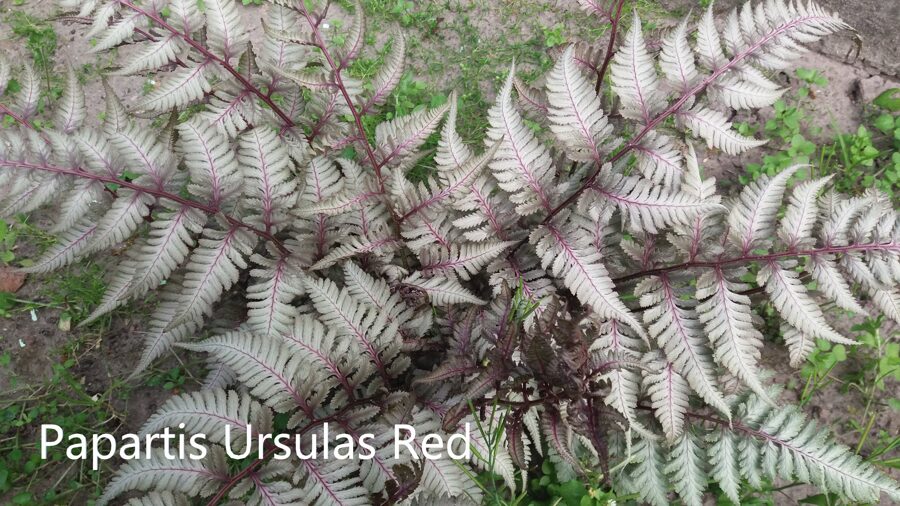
186	476
269	182
752	217
790	298
649	481
741	94
341	311
831	282
658	160
354	247
709	44
770	35
442	291
275	285
567	255
115	117
155	55
5	73
330	482
268	367
714	127
674	324
321	349
624	383
71	111
522	166
85	196
208	412
274	491
677	59
802	213
687	469
124	216
389	74
724	464
669	397
141	152
213	267
185	14
451	152
210	161
728	321
400	138
839	218
165	249
30	92
465	260
353	43
117	33
159	499
161	334
229	113
532	100
647	207
179	89
487	214
224	29
575	113
801	451
633	77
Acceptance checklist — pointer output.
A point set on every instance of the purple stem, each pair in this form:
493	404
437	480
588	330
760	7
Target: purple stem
825	250
209	209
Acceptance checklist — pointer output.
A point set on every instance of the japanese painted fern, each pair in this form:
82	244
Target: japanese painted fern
497	281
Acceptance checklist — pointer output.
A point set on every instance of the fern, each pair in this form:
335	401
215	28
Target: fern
586	281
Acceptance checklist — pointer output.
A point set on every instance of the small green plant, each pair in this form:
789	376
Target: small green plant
172	379
823	359
545	489
866	158
64	401
788	129
873	370
8	238
809	77
40	38
553	36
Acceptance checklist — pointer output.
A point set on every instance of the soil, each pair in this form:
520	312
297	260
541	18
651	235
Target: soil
36	344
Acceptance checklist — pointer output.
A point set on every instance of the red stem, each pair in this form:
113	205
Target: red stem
825	250
150	191
13	115
240	476
320	42
614	29
211	56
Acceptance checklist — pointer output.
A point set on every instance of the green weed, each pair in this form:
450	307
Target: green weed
64	401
